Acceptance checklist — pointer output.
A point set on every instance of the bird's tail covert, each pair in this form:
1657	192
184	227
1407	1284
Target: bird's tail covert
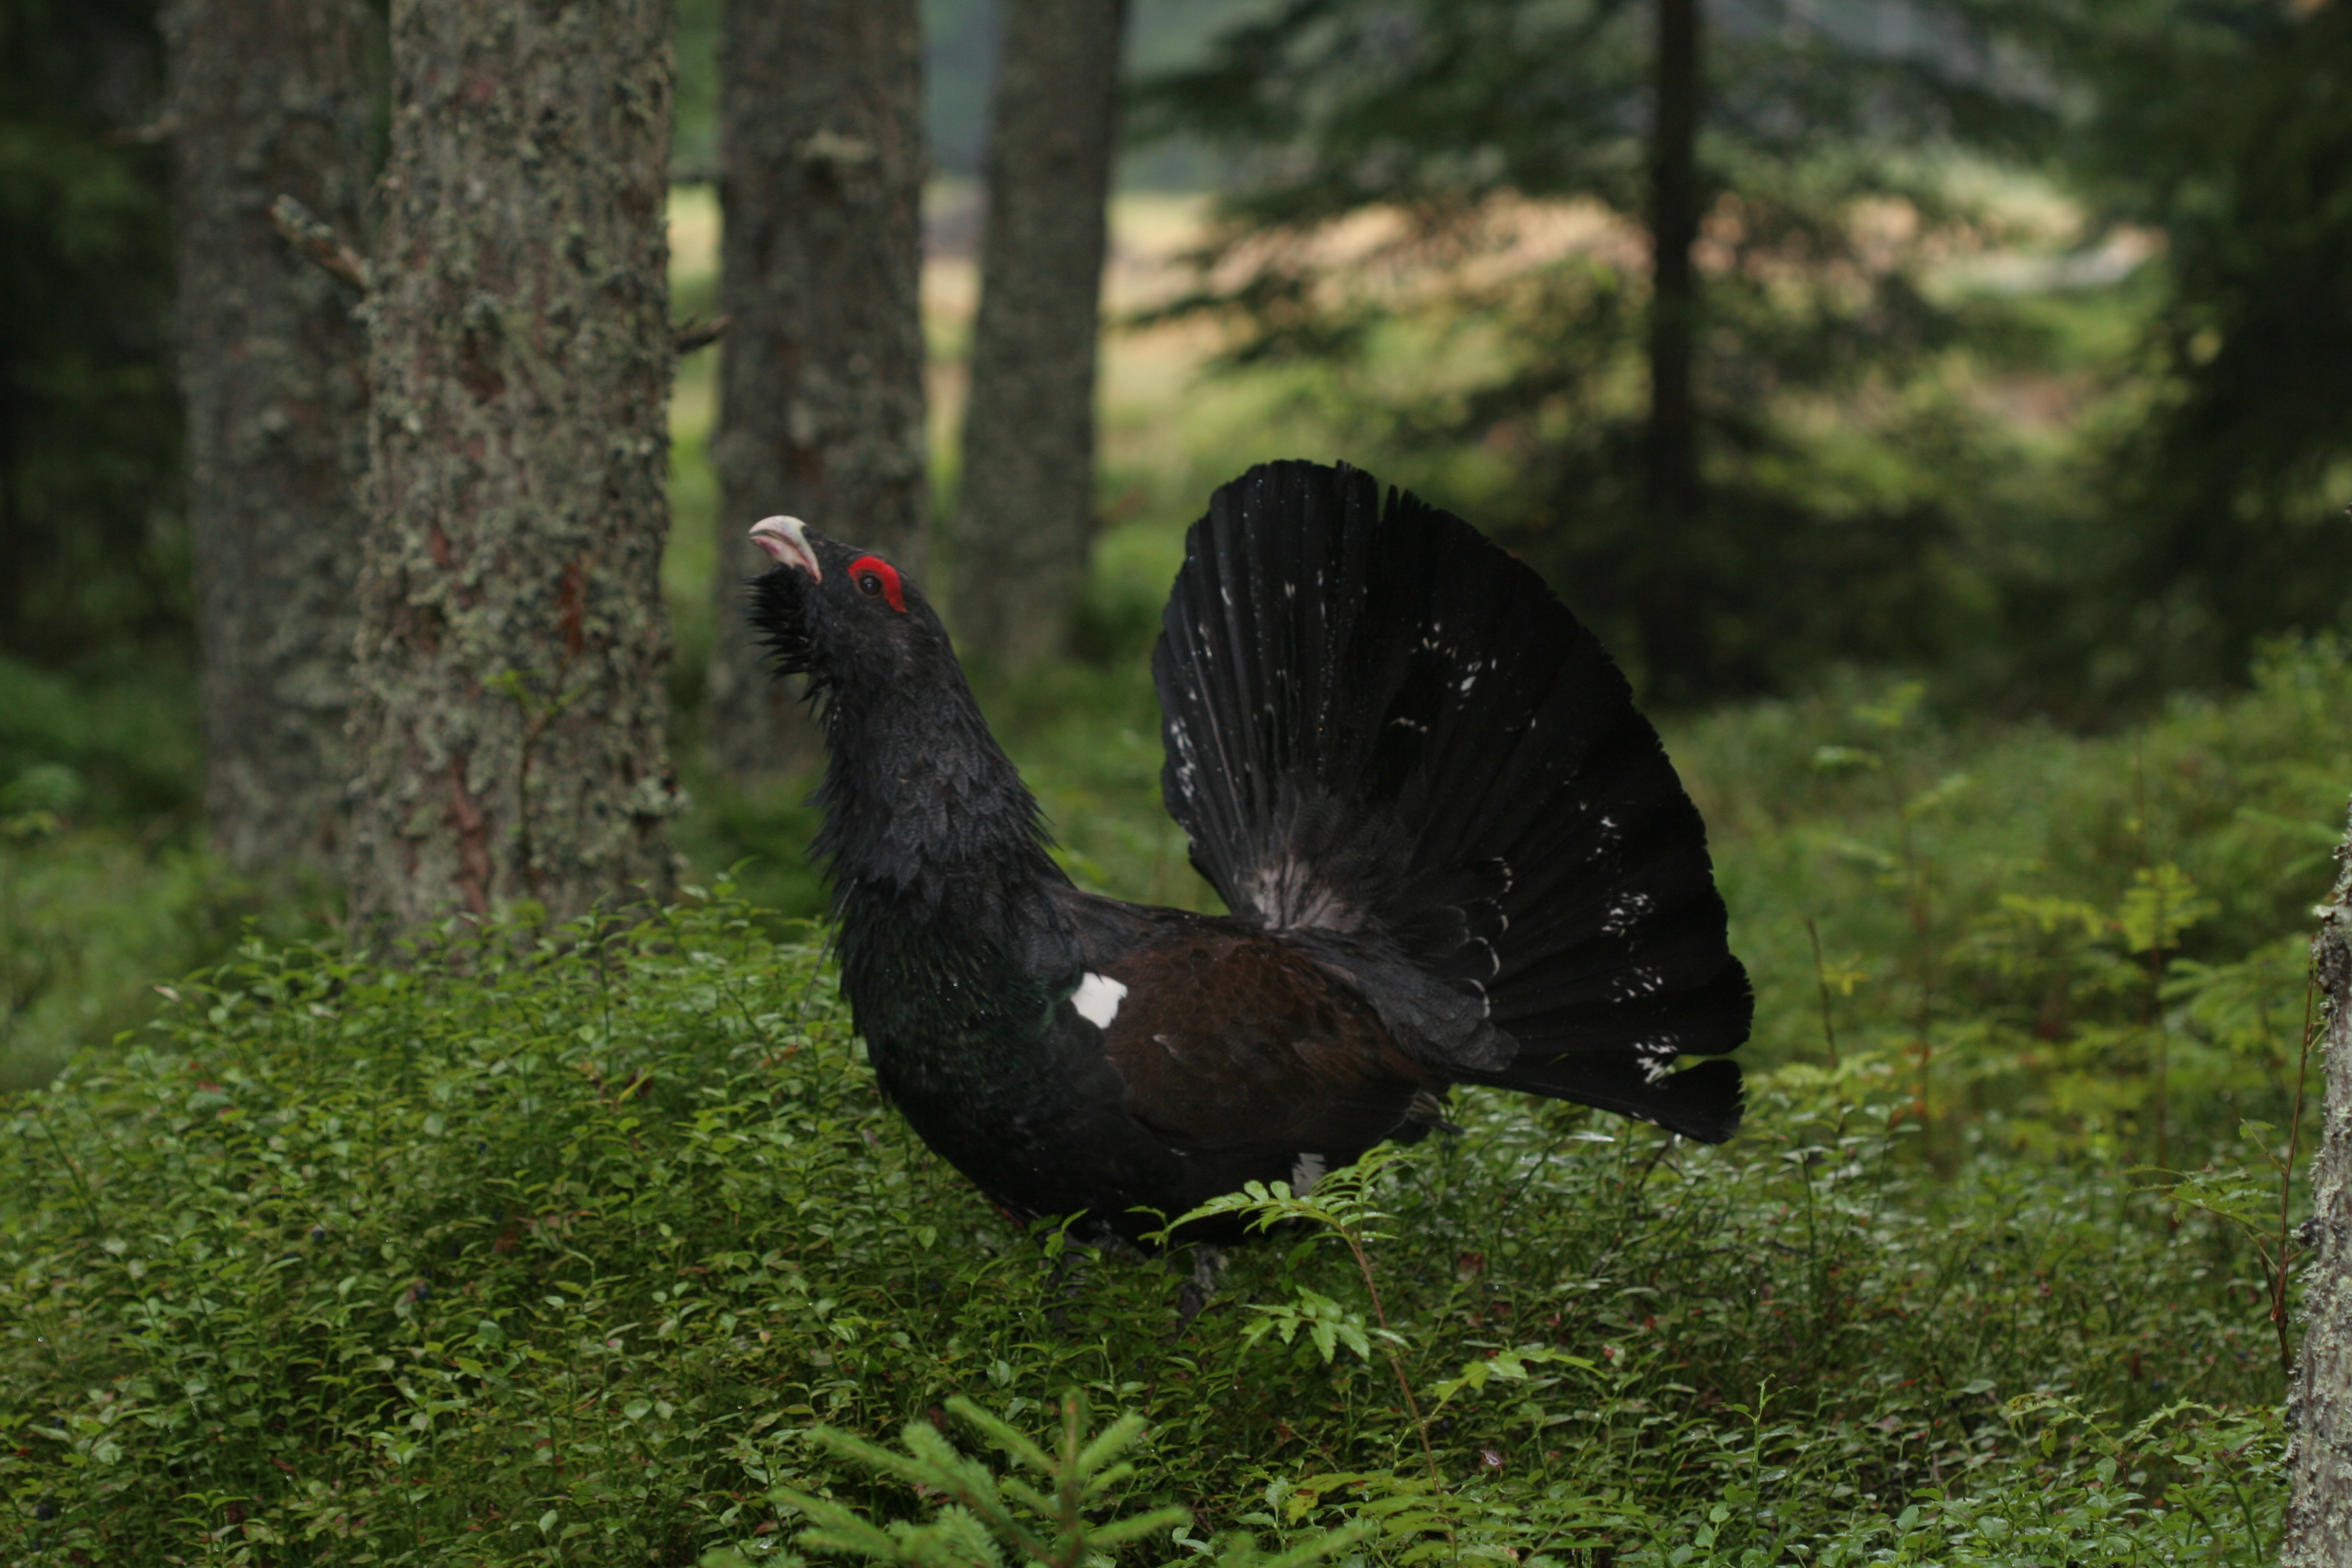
1379	721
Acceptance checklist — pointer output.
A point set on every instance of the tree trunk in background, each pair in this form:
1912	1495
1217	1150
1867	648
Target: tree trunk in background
2319	1405
510	706
269	97
1025	503
1670	458
820	382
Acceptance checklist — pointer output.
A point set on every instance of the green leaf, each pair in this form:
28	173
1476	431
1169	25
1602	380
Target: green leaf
2162	903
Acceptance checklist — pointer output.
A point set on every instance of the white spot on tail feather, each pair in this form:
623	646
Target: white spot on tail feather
1305	1172
1625	914
1636	983
1657	1057
1097	999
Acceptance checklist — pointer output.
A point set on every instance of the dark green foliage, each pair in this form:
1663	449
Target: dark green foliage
2000	869
101	888
88	918
694	136
534	1251
2231	126
1841	510
1357	102
92	548
982	1511
2071	495
1048	1527
130	743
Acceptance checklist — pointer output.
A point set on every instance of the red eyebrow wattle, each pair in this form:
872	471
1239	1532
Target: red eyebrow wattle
887	573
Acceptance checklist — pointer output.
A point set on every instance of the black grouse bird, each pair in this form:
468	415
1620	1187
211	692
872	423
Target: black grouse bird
1454	851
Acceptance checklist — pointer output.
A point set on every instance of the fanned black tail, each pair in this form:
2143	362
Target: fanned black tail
1382	726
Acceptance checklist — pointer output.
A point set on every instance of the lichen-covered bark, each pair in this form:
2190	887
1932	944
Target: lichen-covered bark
2319	1406
269	98
821	386
1025	505
510	706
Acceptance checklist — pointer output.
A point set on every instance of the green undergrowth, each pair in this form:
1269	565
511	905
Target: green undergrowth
104	887
2084	947
91	917
564	1248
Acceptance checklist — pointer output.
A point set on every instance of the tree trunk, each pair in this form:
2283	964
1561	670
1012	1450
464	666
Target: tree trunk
269	98
510	706
1026	508
821	386
1670	456
2319	1405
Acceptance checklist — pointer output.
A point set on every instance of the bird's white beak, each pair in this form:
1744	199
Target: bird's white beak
785	539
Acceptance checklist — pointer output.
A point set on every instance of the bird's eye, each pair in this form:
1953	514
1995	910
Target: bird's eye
877	579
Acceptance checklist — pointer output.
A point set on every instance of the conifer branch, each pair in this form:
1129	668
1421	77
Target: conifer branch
315	238
693	335
975	1523
155	133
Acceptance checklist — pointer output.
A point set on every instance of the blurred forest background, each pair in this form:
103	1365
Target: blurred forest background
2013	358
1939	407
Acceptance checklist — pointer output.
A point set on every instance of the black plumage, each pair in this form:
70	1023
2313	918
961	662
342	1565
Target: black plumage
1454	852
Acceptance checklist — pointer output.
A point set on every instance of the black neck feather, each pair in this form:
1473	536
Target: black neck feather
924	814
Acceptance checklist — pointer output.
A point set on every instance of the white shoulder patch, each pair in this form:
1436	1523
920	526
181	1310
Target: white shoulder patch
1097	999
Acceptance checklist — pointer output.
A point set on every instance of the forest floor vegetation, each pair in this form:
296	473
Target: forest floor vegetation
543	1247
561	1246
596	1244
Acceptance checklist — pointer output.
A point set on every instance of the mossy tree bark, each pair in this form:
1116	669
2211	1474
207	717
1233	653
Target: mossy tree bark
820	382
1025	512
2319	1404
269	98
510	706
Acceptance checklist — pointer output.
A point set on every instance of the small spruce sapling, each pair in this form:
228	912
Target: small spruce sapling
985	1521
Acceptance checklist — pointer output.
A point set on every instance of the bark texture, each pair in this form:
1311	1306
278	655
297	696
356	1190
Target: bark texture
510	706
2319	1405
1025	511
820	386
269	98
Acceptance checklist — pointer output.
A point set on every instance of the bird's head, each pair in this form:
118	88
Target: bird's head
841	615
913	779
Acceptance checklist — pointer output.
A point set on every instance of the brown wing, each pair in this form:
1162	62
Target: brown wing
1230	1041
